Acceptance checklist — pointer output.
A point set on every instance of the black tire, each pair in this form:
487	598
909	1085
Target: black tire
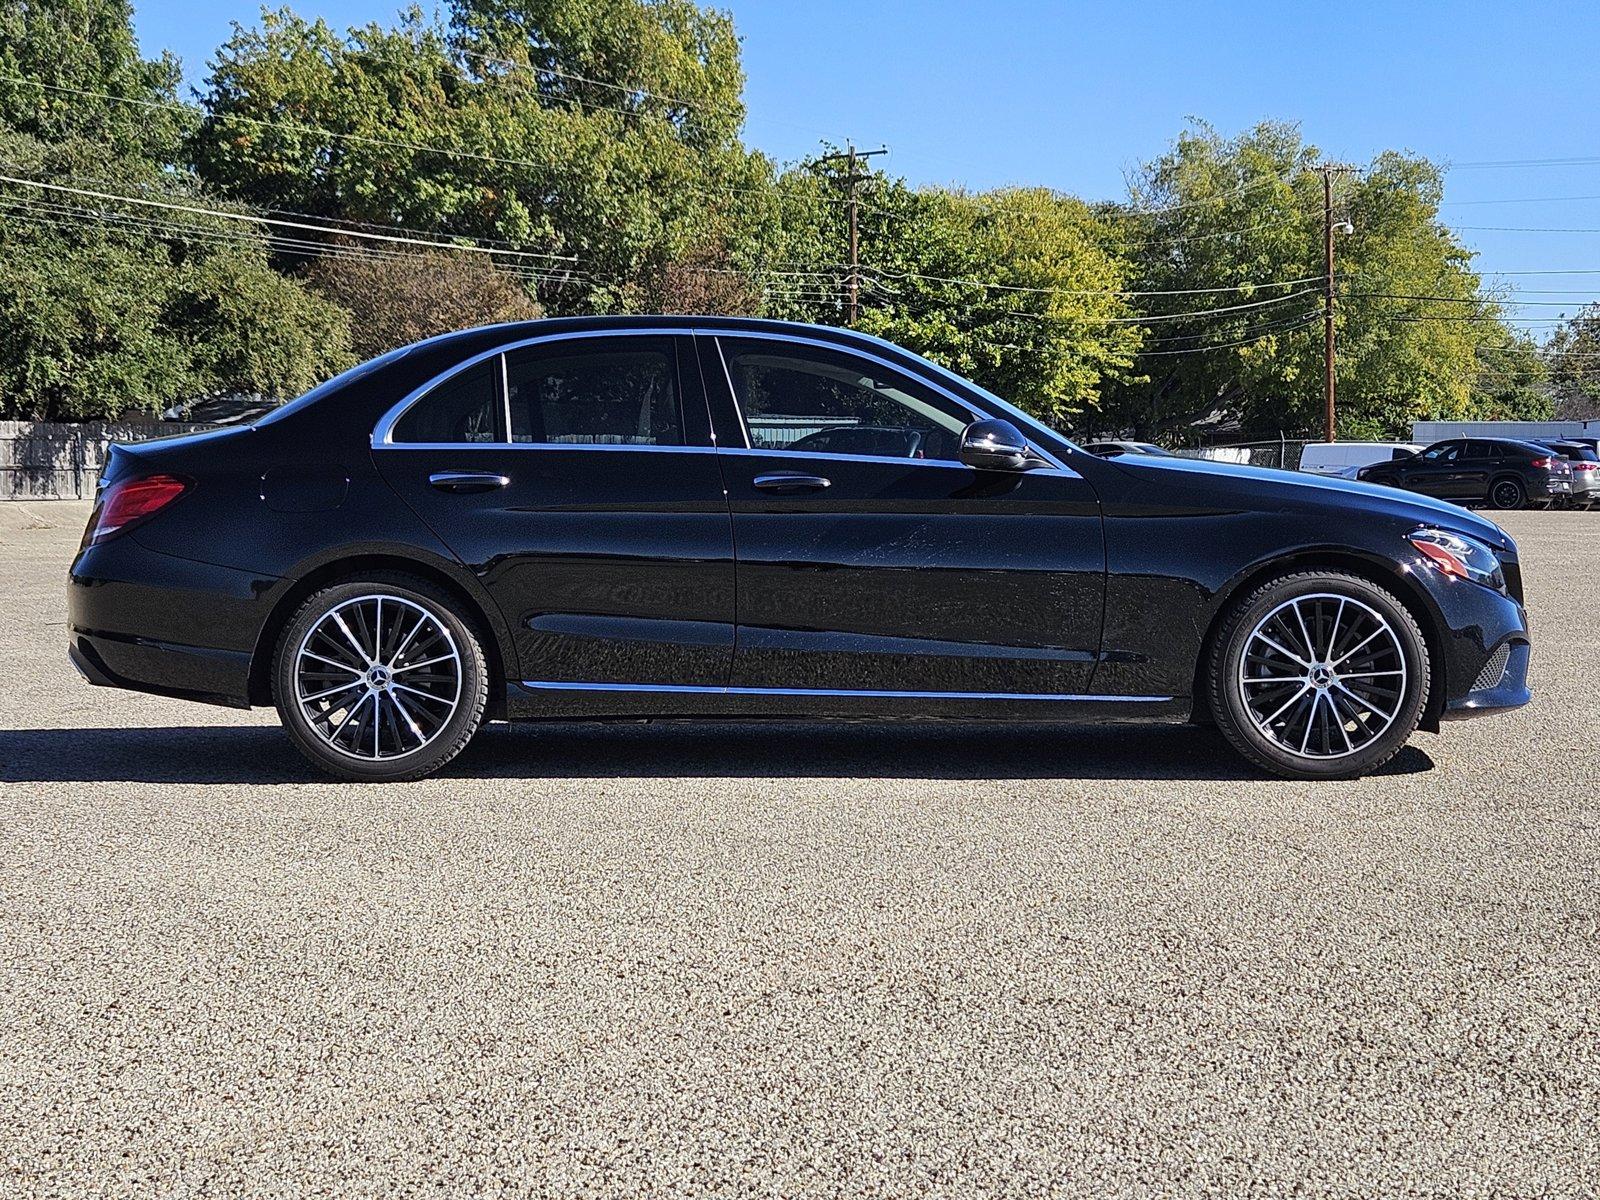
1507	494
439	733
1318	592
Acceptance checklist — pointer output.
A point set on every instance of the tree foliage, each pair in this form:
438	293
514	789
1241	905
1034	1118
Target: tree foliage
399	298
1574	363
106	311
1246	214
597	147
600	131
99	319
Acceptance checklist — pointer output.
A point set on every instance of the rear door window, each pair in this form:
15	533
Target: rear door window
464	408
616	391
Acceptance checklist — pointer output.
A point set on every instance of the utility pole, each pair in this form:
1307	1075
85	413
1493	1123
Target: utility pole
1329	421
853	181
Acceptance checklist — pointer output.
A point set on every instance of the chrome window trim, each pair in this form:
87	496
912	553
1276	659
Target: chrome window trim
647	447
948	463
383	431
960	402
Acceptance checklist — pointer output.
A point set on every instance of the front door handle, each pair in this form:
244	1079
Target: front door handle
791	481
467	481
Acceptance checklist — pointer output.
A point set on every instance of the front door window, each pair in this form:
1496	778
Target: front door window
808	400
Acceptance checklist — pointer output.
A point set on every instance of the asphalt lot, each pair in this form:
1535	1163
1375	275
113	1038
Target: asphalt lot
794	960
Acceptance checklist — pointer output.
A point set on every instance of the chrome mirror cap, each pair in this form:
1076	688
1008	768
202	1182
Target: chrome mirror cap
997	445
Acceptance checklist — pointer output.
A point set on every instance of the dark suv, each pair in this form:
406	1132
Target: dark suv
1498	471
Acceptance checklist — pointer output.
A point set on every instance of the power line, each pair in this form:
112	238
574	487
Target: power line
63	215
625	89
1305	322
1523	229
274	221
1480	300
1265	326
1053	291
1521	200
1588	160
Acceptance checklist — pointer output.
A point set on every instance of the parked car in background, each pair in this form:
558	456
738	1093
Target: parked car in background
1344	459
1584	463
608	517
1113	449
1495	471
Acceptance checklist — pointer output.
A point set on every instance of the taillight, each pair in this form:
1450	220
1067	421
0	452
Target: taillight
1543	464
129	501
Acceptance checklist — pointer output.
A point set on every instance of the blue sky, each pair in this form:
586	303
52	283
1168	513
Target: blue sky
1076	95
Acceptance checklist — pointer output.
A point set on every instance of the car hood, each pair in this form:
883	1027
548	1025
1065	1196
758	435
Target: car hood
1263	485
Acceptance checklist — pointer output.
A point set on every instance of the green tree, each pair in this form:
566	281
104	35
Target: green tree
99	319
82	78
1015	288
601	133
1246	214
1573	355
109	308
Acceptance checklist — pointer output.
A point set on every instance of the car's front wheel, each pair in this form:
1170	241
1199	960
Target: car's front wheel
1319	675
380	679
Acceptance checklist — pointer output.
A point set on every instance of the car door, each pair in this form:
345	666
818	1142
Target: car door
1473	468
905	573
1432	471
576	477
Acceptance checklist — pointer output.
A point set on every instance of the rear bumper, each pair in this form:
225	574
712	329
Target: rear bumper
153	622
162	668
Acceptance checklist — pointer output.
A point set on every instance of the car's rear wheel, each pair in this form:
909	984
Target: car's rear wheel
1507	494
380	679
1319	675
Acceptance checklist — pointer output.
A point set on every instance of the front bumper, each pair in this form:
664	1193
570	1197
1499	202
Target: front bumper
1496	690
1483	646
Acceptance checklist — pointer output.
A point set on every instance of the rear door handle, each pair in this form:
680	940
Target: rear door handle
467	481
790	481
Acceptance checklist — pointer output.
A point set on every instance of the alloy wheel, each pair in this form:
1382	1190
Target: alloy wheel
1506	494
378	677
1323	675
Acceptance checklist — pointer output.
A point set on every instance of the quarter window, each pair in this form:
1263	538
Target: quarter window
809	400
464	408
608	391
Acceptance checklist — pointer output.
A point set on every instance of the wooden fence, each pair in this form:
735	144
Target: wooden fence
43	460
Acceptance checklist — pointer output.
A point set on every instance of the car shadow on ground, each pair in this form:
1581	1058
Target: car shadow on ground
199	754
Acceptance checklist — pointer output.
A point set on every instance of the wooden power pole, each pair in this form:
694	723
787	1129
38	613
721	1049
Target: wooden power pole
1330	421
853	182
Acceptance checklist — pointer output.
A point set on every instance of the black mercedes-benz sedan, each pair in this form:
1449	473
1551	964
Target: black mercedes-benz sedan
703	517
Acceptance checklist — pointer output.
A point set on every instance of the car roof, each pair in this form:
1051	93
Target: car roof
664	323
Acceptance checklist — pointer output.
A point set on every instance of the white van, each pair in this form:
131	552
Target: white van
1344	459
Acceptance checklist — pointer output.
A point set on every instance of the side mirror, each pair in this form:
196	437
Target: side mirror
996	445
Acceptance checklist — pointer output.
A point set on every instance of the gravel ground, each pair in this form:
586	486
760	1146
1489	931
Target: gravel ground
793	961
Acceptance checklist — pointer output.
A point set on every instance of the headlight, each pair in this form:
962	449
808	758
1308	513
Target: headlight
1459	555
